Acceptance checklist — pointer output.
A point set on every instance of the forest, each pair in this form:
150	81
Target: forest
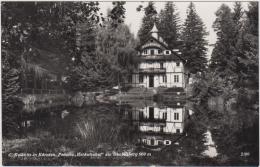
73	46
97	51
64	49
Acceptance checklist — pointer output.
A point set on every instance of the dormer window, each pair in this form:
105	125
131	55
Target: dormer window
152	52
167	52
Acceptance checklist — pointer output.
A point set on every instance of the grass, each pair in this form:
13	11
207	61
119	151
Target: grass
43	98
55	145
93	129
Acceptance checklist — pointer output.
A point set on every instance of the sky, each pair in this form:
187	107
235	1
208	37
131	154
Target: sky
206	10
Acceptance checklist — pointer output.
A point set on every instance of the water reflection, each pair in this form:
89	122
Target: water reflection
156	126
174	133
211	150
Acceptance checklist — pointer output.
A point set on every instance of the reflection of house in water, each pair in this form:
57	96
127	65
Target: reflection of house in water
157	126
153	119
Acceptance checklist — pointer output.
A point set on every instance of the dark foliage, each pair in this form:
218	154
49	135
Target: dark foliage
148	21
169	25
194	42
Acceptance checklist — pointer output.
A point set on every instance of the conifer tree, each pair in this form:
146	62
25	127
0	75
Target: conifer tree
248	57
223	58
148	21
238	12
104	53
194	42
169	25
252	18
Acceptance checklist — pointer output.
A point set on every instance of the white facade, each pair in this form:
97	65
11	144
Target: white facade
156	126
164	120
159	66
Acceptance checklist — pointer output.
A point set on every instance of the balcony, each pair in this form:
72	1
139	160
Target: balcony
158	57
152	71
152	123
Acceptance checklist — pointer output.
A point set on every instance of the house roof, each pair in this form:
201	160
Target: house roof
149	38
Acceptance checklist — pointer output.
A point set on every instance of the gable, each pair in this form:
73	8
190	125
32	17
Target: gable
154	43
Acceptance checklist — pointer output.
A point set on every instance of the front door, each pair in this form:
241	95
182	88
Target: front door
151	80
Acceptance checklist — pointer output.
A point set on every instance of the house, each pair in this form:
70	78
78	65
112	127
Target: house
158	66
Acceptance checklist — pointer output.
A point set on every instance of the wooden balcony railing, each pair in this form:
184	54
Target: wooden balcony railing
152	120
158	57
152	70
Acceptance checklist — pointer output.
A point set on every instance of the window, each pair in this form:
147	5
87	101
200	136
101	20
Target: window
145	52
176	78
152	52
152	142
167	52
167	142
161	65
165	115
178	131
159	51
141	78
176	116
141	115
151	40
164	78
178	64
130	79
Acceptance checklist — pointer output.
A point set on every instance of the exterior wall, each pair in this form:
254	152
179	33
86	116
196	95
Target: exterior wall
171	125
169	128
158	113
171	70
158	80
170	80
171	66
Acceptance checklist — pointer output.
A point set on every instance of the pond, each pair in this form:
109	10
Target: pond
132	133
